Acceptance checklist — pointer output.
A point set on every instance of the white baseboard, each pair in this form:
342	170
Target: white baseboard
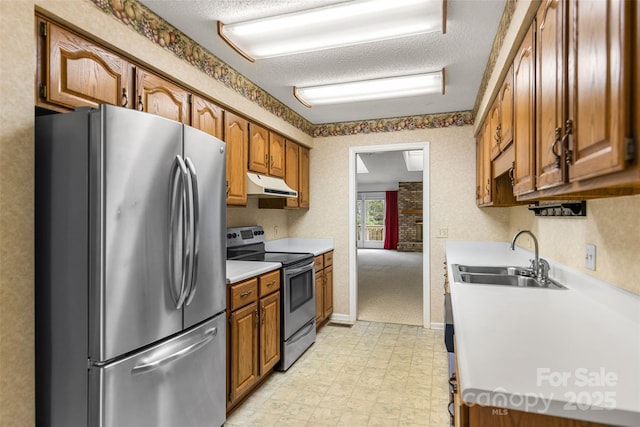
340	318
437	325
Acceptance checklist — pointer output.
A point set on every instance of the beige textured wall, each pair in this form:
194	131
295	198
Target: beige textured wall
274	221
613	225
452	201
17	50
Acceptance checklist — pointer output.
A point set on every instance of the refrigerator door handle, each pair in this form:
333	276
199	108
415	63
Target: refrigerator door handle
195	210
151	363
180	176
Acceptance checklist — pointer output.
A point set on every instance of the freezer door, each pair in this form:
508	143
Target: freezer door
131	300
206	159
180	382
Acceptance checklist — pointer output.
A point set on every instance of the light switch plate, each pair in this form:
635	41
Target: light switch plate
443	233
590	258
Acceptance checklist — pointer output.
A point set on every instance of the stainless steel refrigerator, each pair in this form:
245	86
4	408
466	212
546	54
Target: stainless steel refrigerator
130	271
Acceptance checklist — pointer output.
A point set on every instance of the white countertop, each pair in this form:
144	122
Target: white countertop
241	270
541	350
294	244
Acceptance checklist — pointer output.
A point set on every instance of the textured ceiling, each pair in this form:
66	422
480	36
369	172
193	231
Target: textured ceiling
463	52
386	168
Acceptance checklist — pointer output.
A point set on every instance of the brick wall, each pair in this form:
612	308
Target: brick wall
409	201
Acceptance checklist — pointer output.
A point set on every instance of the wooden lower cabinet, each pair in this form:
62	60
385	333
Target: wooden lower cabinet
489	416
269	332
253	344
323	265
243	350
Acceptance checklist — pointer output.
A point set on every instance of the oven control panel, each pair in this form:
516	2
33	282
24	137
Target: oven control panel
240	236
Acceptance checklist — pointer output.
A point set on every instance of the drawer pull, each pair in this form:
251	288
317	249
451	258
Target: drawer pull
271	283
245	294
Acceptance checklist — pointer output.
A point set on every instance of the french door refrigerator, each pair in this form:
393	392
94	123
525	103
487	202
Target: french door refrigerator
130	271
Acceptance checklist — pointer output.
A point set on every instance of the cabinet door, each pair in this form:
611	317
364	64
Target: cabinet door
276	155
269	332
328	291
236	135
292	162
207	116
258	149
161	97
494	129
319	296
303	178
550	93
489	133
506	111
479	168
524	109
82	74
599	87
243	350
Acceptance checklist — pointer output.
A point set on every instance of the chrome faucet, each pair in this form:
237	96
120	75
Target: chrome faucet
540	267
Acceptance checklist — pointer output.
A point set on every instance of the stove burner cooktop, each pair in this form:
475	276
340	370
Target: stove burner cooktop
248	244
284	258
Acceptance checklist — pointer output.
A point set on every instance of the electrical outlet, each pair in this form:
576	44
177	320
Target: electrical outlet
590	258
443	233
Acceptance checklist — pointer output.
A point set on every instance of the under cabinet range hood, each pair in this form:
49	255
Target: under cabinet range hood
268	186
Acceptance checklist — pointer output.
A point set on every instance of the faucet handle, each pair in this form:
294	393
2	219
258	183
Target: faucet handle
543	270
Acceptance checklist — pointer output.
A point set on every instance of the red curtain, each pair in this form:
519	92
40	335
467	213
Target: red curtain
391	220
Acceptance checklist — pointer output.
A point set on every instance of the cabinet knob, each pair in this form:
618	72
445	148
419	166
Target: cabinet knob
140	103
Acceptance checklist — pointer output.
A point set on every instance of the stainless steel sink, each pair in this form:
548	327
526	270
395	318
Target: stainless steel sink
480	269
502	276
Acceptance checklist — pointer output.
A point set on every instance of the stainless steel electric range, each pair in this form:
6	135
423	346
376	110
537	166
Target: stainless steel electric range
298	306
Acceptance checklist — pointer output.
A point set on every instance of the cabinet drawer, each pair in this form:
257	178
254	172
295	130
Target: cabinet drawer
318	263
244	293
328	259
269	282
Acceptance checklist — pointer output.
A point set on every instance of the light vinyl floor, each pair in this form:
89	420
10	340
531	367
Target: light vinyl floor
370	374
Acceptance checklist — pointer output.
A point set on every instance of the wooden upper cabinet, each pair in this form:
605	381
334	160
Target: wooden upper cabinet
79	73
506	110
158	96
266	151
207	116
292	155
479	167
599	87
550	92
487	176
276	155
236	136
258	149
493	122
303	178
524	116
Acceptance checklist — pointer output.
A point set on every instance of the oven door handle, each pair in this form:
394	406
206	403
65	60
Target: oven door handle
294	271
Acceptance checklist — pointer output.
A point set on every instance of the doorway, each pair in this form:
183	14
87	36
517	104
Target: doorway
357	225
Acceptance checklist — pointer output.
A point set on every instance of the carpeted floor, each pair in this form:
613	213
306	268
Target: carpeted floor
390	286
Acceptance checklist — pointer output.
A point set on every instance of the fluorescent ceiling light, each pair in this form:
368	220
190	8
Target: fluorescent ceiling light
413	160
360	166
342	24
369	90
